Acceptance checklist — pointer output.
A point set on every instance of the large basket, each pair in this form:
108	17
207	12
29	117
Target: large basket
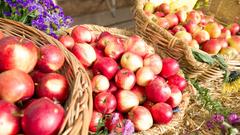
79	104
178	117
169	46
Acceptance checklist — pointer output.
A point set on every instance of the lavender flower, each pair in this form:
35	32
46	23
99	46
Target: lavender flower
11	3
233	118
210	125
128	128
218	118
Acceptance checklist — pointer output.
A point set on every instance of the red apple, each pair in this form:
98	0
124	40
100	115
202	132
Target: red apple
105	66
194	44
177	29
159	14
153	61
234	42
81	34
114	122
37	76
17	53
163	22
150	51
103	34
184	36
114	50
135	44
201	36
99	52
170	67
125	79
105	102
126	100
95	119
10	122
100	83
178	81
223	42
15	85
194	16
93	37
162	113
172	19
213	30
191	27
164	7
175	97
53	86
234	28
212	46
141	118
140	93
67	41
106	40
144	75
113	87
158	90
226	34
181	15
84	53
148	104
131	61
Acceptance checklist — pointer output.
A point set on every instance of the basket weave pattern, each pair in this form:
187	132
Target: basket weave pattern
79	104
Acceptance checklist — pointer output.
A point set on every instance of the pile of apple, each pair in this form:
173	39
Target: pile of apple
128	79
196	29
30	88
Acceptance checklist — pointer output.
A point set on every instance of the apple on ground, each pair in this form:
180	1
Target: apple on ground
212	46
81	34
105	102
131	61
178	81
234	42
144	75
125	79
100	83
67	41
141	118
175	97
126	100
184	36
105	66
170	67
158	90
162	113
114	122
201	36
95	119
135	44
17	53
140	93
213	30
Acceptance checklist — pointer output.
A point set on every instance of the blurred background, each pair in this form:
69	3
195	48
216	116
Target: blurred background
115	13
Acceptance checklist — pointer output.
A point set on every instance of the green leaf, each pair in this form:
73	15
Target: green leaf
203	57
221	61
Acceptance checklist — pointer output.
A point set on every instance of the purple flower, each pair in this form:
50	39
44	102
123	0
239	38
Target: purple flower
47	4
210	124
218	118
35	7
24	3
11	3
128	128
233	118
7	13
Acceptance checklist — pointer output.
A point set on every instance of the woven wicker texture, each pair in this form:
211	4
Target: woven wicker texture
79	104
178	117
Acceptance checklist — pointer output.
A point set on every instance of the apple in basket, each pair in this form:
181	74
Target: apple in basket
131	61
126	100
213	30
125	79
17	53
100	83
140	93
178	81
212	46
234	42
67	41
184	36
181	15
95	118
114	122
114	49
172	19
10	122
226	34
175	97
144	75
162	113
153	61
170	67
80	34
164	7
194	16
234	28
136	44
201	36
178	28
105	102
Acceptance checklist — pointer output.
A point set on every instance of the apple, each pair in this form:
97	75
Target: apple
159	14
212	46
37	76
191	27
201	36
181	15
105	102
105	66
193	44
140	93
234	42
148	104
113	87
178	81
93	37
144	75
170	67
158	90
213	30
131	61
184	36
163	22
172	19
225	34
99	52
223	42
153	61
80	34
17	53
15	85
67	41
229	51
141	118
114	122
194	16
125	79
177	29
164	7
106	40
100	83
162	113
126	100
53	86
175	97
234	28
95	120
103	34
84	53
114	50
135	44
149	7
10	122
150	50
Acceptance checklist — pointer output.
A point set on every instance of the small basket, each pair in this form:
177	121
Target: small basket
178	117
79	104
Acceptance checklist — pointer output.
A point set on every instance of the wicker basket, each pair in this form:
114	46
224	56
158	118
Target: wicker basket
79	104
169	46
178	117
